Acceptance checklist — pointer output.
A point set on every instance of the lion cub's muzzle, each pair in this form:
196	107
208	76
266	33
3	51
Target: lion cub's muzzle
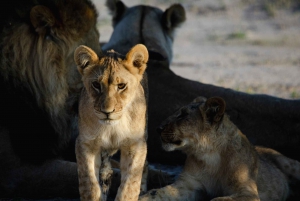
108	116
167	134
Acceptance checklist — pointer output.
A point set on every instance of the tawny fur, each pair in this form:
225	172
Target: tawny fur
112	116
221	163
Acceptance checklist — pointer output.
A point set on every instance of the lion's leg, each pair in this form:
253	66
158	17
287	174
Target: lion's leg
173	192
170	192
88	163
144	181
132	164
105	174
156	178
187	187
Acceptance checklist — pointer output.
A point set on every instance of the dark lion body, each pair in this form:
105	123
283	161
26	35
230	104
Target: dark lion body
39	86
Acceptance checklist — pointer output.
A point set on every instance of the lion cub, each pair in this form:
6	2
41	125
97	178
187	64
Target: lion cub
112	116
221	163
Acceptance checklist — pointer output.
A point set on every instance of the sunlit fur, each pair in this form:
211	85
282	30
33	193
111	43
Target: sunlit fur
221	163
112	116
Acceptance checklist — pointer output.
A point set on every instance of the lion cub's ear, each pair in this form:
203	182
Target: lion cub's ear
174	16
84	57
41	17
214	108
136	59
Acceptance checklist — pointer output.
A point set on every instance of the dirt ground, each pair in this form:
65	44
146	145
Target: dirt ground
247	45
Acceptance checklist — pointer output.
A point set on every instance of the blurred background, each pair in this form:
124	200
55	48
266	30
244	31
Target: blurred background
246	45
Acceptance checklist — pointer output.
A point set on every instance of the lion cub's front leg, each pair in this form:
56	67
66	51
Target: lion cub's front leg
105	173
144	180
88	162
133	158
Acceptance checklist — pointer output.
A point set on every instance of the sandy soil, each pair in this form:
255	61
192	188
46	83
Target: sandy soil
236	44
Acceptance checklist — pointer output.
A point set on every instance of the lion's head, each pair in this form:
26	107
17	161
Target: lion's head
148	25
111	80
38	48
193	125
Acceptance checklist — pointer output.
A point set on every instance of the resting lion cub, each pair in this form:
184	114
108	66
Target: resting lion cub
112	116
221	163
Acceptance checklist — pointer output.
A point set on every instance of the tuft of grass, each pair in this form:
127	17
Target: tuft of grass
237	35
269	8
295	95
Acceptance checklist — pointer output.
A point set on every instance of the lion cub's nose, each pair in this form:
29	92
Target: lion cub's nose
107	112
164	127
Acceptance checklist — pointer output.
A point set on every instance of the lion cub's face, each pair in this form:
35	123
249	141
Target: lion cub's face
111	82
192	124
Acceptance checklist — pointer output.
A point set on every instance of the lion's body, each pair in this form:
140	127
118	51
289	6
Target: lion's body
221	163
40	85
112	116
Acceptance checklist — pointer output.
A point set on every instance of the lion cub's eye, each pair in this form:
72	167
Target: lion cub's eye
121	86
96	85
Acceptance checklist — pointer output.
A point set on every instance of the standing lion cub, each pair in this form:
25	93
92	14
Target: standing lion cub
221	163
112	116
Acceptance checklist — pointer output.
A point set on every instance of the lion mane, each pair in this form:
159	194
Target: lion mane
39	82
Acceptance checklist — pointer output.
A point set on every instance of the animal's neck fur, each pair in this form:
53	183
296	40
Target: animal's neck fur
217	141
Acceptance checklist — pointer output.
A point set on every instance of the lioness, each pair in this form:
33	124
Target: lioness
112	116
221	163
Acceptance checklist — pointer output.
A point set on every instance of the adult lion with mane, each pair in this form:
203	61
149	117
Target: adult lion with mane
39	85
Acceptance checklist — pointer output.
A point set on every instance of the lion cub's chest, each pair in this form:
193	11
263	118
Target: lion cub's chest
112	135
